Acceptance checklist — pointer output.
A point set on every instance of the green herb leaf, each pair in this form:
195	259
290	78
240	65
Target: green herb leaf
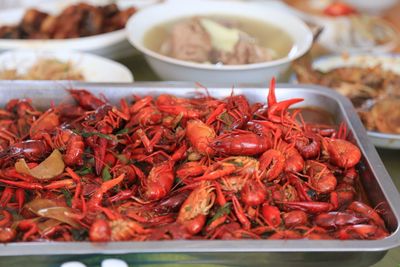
75	131
105	174
124	131
122	158
91	161
224	210
79	234
311	193
236	163
105	136
67	196
177	180
225	118
84	171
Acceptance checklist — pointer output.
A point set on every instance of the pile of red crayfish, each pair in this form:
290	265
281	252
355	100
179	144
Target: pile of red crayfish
162	168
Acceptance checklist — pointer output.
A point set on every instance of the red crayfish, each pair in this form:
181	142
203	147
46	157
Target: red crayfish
166	167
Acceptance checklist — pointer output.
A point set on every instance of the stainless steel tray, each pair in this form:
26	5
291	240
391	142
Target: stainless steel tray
377	183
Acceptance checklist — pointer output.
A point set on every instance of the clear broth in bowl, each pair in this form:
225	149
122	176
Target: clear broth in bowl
266	35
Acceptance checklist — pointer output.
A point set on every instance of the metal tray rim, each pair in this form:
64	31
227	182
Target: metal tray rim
385	182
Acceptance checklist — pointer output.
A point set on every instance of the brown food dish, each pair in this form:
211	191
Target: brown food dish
374	92
45	69
75	21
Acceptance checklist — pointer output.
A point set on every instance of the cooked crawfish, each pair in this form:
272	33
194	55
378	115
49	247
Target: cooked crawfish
166	167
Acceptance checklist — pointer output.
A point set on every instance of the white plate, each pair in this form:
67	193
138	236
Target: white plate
111	45
388	62
332	26
94	68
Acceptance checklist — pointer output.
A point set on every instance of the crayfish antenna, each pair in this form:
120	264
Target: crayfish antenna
68	86
342	131
204	88
271	93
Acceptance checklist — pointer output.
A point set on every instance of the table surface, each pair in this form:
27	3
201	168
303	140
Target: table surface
391	158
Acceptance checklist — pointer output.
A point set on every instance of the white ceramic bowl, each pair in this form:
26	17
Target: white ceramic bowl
169	68
94	68
111	45
387	61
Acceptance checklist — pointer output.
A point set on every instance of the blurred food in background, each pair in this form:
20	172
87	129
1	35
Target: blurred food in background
75	21
360	33
322	7
370	82
60	65
341	7
44	69
350	26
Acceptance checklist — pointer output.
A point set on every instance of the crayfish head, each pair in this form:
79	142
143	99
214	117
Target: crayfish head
7	234
341	153
100	231
244	168
46	122
200	201
148	116
127	230
244	165
86	99
20	106
200	135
